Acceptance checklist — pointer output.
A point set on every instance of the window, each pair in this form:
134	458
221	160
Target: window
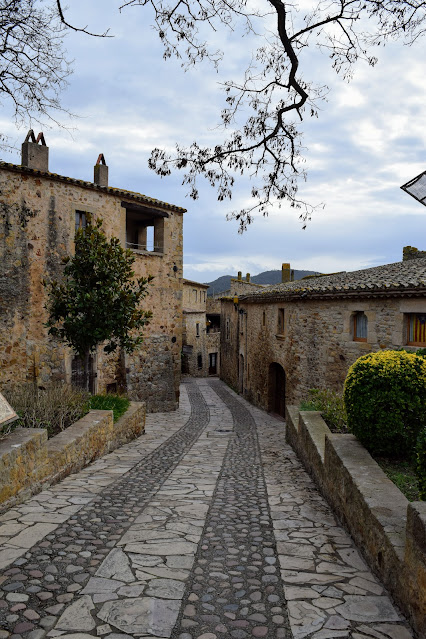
212	363
264	319
144	228
416	329
281	321
199	361
228	331
80	220
194	290
360	327
197	328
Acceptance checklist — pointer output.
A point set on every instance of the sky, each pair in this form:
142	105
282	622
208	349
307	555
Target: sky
368	140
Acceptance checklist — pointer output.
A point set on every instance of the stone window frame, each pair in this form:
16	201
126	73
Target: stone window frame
81	216
358	326
281	322
408	325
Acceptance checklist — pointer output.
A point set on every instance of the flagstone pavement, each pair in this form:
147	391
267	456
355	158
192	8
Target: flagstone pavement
206	527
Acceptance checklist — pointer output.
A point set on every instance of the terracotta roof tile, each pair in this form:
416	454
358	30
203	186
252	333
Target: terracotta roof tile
400	276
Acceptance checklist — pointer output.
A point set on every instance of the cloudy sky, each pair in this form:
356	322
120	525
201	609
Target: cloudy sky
369	139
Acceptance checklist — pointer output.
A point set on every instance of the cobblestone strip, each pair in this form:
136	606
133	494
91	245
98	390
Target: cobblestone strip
40	583
329	588
56	504
235	589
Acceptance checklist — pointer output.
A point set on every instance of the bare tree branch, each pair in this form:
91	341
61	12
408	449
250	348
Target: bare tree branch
82	29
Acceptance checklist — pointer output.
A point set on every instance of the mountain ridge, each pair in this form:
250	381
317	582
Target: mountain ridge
223	283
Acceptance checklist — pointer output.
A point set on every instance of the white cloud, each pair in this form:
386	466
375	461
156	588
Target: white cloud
369	138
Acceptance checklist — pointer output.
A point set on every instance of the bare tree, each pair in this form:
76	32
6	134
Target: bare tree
33	67
263	110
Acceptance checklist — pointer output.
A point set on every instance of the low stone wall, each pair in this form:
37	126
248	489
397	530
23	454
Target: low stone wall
29	461
390	531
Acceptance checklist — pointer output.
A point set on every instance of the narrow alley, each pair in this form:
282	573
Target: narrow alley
206	527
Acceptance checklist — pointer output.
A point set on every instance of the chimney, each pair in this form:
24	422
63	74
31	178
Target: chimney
100	173
411	253
240	275
35	155
285	273
248	277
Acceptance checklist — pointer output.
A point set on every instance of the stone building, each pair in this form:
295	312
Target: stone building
201	331
279	342
40	212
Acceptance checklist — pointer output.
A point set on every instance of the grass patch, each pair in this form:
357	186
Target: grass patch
403	475
331	406
117	403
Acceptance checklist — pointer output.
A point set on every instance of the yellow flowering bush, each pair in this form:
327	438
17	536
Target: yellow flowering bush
385	400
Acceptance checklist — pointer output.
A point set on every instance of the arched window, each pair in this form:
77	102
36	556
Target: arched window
360	327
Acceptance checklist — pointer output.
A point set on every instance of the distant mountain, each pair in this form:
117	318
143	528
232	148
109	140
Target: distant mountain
223	283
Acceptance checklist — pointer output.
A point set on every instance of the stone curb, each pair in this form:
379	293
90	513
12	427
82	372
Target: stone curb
30	462
371	506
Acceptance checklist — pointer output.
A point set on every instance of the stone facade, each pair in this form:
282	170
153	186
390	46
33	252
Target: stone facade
39	213
280	342
201	337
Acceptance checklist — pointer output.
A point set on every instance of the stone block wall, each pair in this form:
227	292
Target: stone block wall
29	461
37	227
390	531
315	347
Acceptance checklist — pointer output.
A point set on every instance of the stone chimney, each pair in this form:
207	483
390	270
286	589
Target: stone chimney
411	253
240	276
248	277
285	273
35	155
100	173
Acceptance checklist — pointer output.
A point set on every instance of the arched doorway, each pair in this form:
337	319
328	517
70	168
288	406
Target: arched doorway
241	374
276	389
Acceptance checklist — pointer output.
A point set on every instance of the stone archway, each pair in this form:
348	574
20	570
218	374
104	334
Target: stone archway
276	389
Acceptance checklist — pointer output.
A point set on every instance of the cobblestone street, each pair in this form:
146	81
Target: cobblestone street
206	527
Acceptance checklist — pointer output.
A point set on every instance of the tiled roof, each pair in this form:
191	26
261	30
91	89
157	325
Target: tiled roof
129	195
185	281
399	278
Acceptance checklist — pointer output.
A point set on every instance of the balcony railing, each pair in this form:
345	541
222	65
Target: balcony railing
149	247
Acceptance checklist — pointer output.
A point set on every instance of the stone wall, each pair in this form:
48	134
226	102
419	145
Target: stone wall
197	339
315	347
390	531
196	335
36	231
29	461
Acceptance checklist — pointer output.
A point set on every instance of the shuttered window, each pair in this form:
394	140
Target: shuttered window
360	327
416	329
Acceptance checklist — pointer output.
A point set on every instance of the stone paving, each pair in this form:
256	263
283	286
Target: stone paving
207	527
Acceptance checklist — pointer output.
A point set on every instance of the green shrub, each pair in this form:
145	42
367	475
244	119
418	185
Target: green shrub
331	406
421	463
55	407
385	400
117	403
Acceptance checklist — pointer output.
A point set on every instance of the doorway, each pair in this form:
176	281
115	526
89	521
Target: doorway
276	389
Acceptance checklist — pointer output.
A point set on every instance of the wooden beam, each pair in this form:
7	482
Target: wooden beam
145	210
